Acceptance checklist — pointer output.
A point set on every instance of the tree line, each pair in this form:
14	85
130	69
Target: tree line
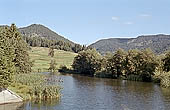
140	65
37	41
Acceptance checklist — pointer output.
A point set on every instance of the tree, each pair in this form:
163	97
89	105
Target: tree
166	61
87	62
7	66
52	67
53	63
51	52
77	48
142	63
22	59
115	62
131	63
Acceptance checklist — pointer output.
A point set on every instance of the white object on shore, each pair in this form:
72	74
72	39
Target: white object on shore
7	96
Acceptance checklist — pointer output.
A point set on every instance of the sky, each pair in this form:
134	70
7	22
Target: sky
86	21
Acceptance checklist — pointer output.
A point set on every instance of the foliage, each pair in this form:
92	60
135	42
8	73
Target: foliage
36	41
132	65
115	62
35	86
52	67
22	59
14	57
87	62
165	79
166	61
63	68
7	66
142	63
51	52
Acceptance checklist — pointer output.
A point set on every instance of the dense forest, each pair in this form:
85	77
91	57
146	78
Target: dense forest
36	41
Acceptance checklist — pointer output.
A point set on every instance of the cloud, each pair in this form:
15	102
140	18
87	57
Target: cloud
145	15
114	18
129	23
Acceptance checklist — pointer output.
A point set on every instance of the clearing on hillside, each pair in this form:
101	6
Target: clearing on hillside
41	59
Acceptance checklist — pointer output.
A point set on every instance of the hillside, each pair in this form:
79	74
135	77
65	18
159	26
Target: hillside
158	43
37	35
42	61
42	31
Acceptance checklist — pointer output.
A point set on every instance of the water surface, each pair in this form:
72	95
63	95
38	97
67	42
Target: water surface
87	93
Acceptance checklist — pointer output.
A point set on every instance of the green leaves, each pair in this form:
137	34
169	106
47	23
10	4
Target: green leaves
87	62
115	62
14	57
7	66
142	63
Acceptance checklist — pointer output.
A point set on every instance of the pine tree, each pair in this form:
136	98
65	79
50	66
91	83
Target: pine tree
22	59
7	66
51	52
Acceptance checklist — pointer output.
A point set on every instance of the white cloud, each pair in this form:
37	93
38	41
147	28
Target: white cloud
145	15
114	18
128	23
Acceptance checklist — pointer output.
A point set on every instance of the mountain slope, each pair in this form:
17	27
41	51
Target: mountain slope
158	43
42	31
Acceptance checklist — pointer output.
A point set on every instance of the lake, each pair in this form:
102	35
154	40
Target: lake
88	93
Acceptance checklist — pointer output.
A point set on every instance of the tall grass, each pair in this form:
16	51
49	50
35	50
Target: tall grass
35	86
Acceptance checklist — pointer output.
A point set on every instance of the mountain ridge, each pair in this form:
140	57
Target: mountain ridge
158	43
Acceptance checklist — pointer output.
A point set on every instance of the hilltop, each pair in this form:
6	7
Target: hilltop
43	32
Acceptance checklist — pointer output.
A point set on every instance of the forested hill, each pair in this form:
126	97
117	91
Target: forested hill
158	43
42	31
37	35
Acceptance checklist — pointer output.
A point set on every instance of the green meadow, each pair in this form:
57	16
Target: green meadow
41	60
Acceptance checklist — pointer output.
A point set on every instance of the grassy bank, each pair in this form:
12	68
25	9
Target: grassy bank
41	59
35	86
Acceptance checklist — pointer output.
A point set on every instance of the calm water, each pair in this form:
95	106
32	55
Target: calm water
87	93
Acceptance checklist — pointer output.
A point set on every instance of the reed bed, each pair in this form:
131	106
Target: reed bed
35	86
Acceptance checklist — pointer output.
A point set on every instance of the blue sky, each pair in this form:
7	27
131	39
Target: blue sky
86	21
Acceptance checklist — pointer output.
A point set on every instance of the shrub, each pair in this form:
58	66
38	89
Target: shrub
63	68
35	86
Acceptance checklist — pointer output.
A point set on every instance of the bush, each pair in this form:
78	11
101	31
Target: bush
35	86
165	79
63	68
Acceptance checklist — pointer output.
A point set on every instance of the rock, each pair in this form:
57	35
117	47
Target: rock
7	96
12	106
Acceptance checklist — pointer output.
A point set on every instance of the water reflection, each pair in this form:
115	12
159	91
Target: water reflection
87	93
